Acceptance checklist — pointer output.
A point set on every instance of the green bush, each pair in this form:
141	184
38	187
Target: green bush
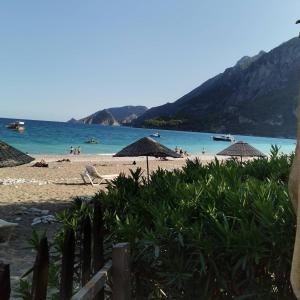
215	231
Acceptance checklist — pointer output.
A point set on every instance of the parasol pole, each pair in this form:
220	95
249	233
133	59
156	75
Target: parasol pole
147	168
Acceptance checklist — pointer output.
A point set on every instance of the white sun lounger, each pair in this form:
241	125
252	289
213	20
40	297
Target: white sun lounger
92	174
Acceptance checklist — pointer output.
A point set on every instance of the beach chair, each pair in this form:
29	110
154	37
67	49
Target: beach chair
92	174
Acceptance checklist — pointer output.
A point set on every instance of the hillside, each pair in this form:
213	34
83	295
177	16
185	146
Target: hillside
113	116
126	114
258	96
102	117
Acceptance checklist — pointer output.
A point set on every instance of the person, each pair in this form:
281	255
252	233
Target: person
203	151
163	158
41	164
181	153
134	163
185	153
176	149
71	150
78	150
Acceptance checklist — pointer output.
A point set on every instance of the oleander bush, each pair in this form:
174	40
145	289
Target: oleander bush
215	231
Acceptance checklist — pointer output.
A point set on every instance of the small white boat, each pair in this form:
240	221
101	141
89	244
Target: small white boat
18	125
224	138
156	135
92	141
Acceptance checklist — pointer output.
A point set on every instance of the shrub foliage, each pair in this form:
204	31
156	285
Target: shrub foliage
214	231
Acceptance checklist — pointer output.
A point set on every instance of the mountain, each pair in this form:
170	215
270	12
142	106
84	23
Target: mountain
73	121
257	96
126	114
113	116
102	117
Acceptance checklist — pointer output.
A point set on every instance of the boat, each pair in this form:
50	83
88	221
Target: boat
156	135
92	141
224	138
18	125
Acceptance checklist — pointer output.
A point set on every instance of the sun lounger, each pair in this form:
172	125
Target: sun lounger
92	174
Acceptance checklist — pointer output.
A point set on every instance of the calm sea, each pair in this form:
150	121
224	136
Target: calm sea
42	137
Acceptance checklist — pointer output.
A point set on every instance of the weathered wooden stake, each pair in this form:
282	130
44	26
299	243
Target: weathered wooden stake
98	237
86	251
67	268
4	282
40	272
121	272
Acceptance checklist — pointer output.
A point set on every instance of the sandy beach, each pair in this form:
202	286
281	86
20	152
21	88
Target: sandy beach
25	188
61	180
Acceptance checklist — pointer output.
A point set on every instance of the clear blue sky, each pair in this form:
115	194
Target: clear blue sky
68	58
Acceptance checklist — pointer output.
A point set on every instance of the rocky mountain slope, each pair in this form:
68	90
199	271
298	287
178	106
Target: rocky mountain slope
258	96
126	114
113	116
102	117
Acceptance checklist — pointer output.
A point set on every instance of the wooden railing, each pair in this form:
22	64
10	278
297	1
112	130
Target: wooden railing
119	271
94	273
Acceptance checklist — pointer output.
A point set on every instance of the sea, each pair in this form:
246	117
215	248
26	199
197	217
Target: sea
44	137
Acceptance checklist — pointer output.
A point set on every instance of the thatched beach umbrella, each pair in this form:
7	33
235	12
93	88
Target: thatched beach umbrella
11	157
241	149
147	147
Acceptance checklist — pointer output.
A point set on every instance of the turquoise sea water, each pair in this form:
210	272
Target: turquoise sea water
42	137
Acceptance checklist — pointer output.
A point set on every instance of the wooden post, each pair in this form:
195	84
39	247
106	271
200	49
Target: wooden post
147	169
40	272
121	272
86	250
4	282
67	268
98	237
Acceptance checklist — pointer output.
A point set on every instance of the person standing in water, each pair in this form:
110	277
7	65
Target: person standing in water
71	150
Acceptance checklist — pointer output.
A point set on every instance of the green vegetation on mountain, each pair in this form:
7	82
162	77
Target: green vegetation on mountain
163	122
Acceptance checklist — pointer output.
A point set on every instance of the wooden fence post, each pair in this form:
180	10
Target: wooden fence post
98	238
40	272
67	268
121	272
4	281
86	251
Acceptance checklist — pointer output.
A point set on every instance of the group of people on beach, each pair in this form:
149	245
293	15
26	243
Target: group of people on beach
185	153
75	151
181	152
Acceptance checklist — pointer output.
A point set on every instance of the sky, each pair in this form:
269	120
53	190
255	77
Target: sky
69	58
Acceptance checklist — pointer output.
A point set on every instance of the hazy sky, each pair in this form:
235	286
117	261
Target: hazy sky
66	58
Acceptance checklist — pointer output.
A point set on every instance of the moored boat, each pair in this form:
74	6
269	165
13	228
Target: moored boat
92	141
224	138
156	135
18	125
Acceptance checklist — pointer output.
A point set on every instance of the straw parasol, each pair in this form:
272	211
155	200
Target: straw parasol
11	157
147	147
241	149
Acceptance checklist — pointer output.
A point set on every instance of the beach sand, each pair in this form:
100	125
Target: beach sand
61	180
53	188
